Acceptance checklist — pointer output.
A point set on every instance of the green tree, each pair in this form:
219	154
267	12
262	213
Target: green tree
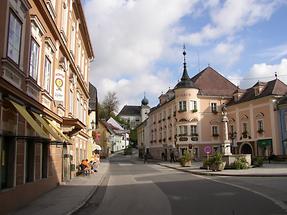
108	106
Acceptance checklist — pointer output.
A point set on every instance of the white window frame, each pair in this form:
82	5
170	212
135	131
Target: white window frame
192	130
34	59
14	43
193	105
71	101
258	125
47	74
213	106
182	106
213	130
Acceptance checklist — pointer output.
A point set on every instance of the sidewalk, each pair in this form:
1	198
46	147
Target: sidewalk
66	199
268	170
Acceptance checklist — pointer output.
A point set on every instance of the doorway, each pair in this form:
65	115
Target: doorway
246	149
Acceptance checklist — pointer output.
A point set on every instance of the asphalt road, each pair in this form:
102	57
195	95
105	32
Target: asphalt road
134	188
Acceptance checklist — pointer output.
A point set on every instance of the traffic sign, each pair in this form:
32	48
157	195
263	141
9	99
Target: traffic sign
207	149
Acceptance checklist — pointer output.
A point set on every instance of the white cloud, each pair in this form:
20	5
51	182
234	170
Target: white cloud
227	53
129	36
131	91
265	72
274	53
232	17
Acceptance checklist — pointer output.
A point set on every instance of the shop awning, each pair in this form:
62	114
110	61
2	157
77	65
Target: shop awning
59	131
48	127
264	143
24	113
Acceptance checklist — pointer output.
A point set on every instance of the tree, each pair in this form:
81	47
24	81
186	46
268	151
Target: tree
108	106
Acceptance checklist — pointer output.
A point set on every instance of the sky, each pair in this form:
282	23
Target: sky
138	43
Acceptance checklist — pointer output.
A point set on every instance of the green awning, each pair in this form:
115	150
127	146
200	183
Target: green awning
264	143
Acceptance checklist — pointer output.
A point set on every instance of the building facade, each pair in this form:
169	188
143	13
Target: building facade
135	115
189	117
45	55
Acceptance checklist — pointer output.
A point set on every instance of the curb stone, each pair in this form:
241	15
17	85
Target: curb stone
223	174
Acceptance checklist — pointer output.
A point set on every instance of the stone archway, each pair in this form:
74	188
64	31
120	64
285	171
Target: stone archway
246	148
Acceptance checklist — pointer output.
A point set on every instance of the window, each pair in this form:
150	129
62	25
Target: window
215	130
260	126
244	127
79	55
34	59
78	107
47	75
193	129
14	38
182	106
183	130
72	39
213	107
193	105
64	17
71	102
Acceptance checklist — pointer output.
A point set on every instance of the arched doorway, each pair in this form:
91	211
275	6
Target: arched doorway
246	149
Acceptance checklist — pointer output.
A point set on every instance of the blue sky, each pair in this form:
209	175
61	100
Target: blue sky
138	43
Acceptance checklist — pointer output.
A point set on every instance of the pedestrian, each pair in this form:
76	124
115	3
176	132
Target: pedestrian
145	157
162	156
172	157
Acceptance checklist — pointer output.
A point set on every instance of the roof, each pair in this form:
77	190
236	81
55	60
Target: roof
93	97
129	110
211	83
274	87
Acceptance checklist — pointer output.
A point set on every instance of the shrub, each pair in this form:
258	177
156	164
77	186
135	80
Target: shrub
214	160
185	157
257	161
240	163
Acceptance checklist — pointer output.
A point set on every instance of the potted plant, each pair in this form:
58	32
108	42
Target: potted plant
185	160
194	110
216	163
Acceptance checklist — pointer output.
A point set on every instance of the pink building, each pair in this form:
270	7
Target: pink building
189	117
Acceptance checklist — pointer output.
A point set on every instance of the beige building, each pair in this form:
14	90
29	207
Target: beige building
189	117
45	55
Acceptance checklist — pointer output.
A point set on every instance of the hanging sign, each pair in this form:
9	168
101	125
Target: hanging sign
59	87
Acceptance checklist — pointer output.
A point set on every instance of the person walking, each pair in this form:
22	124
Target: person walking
145	157
172	157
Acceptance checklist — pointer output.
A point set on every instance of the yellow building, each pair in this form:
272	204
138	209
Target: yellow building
45	55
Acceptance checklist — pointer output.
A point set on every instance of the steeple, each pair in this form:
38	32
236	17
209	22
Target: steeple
185	75
185	81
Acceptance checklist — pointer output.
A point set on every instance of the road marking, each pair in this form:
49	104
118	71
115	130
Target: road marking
125	164
279	203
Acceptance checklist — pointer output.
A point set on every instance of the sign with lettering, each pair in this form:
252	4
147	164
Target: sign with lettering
59	85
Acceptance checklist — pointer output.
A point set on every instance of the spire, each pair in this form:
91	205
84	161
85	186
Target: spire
185	81
185	74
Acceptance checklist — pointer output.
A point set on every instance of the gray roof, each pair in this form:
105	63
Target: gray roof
129	110
274	87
